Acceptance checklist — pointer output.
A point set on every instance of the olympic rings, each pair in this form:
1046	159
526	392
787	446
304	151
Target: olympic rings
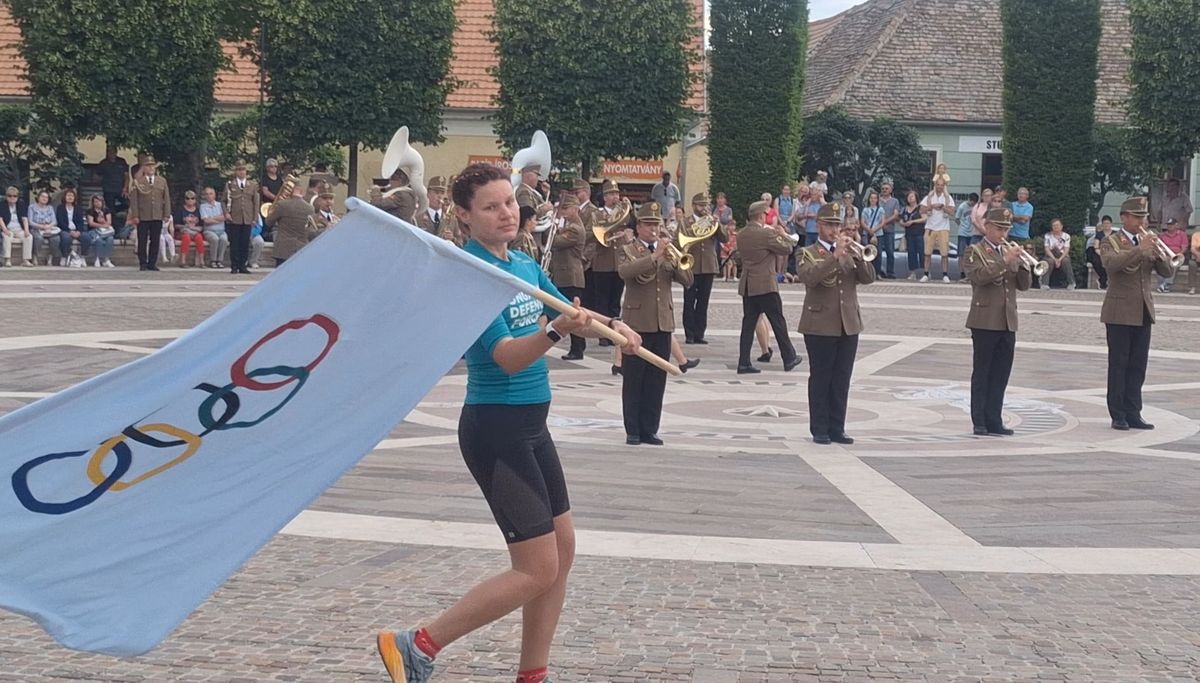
227	395
238	372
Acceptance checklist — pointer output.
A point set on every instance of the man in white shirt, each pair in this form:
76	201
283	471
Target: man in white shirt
666	193
939	208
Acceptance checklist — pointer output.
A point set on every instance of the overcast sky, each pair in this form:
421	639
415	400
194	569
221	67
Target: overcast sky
819	9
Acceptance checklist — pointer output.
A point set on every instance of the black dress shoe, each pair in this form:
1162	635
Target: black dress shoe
841	438
652	440
616	370
699	341
792	364
1138	423
822	440
684	367
153	268
980	430
766	357
1000	431
605	342
689	340
1120	425
143	268
243	271
748	370
632	441
573	356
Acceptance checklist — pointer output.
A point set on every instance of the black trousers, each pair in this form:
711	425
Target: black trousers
771	306
609	288
589	291
149	235
239	245
1128	355
643	386
989	378
695	307
831	362
1093	257
578	344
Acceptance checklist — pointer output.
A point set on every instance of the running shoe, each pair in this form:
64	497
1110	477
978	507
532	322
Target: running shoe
404	662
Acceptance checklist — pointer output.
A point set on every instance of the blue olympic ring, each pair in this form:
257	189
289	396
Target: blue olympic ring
20	482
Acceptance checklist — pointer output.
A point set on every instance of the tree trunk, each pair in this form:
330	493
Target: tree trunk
586	170
352	174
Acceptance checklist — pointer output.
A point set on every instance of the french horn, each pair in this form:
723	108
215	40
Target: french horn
606	230
402	155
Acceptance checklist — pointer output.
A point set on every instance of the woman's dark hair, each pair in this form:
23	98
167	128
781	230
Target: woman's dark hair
471	179
92	201
914	195
527	212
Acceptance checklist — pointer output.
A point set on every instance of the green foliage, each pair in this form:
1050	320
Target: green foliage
1164	73
859	155
350	72
1049	104
601	85
236	137
755	96
31	156
1117	167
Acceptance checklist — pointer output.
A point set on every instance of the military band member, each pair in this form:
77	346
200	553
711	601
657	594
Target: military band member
242	201
526	242
758	246
526	193
1128	312
323	204
608	285
149	206
695	298
566	262
648	271
996	274
294	222
831	321
398	198
433	220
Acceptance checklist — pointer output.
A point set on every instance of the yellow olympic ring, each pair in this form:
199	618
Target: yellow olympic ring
97	476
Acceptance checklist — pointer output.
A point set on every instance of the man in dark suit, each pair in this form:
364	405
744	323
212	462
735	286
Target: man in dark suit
758	246
1131	260
648	272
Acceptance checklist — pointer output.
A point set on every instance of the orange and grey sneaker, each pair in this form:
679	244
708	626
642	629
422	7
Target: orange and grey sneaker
404	661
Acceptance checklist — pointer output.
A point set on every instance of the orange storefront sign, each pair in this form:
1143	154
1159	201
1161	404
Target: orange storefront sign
500	161
621	170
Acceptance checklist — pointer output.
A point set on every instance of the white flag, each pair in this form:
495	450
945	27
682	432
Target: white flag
126	500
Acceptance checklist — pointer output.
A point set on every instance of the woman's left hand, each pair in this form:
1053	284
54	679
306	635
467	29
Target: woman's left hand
633	340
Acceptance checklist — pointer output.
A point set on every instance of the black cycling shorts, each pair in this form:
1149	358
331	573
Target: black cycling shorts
509	451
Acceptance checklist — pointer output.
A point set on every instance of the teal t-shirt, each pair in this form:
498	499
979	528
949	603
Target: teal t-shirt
1020	231
487	382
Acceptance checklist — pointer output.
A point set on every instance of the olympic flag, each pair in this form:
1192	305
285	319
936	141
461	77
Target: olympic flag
126	500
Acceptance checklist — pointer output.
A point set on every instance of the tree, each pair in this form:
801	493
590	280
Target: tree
600	86
1117	167
132	71
857	155
330	80
1049	104
1164	71
755	96
30	156
237	137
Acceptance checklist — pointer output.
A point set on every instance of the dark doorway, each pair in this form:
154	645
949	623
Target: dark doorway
993	170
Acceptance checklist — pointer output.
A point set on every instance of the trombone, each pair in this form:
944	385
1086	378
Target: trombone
1038	268
1164	252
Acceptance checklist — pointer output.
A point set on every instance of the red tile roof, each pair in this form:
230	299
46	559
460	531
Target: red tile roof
12	66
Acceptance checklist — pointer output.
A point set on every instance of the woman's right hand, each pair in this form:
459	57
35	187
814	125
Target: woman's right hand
566	324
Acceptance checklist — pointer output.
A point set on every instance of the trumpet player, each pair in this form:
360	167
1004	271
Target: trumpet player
1130	255
648	267
695	298
566	263
758	246
831	270
432	219
997	269
608	283
323	203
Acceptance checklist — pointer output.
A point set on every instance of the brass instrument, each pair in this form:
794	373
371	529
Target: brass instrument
285	192
680	259
550	217
1163	252
606	231
865	254
704	228
1038	268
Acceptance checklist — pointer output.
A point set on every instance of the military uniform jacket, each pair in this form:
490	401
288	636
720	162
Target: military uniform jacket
401	203
527	196
323	223
705	252
149	202
831	292
994	286
604	259
648	306
1129	275
587	216
242	204
528	244
758	246
293	229
425	223
566	265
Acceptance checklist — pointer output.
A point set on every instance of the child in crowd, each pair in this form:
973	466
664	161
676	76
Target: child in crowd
942	175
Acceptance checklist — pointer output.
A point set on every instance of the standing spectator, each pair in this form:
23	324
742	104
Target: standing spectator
1177	240
43	223
1176	205
190	226
73	224
821	183
14	224
913	221
728	254
966	232
1004	202
891	217
212	216
1022	212
785	205
113	174
268	187
796	223
666	193
772	218
871	224
100	231
724	214
979	213
849	210
1093	250
149	206
1057	245
939	209
816	199
242	202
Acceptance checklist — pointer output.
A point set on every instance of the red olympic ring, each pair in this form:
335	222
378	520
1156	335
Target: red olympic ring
238	374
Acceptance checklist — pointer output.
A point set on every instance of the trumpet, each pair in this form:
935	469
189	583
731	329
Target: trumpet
680	259
1038	268
1164	252
865	254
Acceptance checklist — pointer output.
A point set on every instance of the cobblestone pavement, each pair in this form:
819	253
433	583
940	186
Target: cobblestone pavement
738	553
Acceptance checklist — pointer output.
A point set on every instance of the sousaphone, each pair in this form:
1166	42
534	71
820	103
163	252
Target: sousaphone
401	155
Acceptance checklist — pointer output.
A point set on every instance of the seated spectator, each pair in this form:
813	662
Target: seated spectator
14	225
212	215
1057	245
43	223
99	233
256	243
1176	239
71	221
1093	250
191	230
166	241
